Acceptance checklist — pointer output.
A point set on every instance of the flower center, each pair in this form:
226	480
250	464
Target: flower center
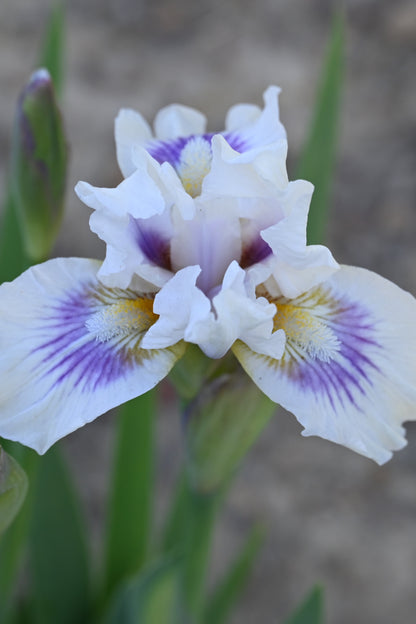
306	331
194	164
122	318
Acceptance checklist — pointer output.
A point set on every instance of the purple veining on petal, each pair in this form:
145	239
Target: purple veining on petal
153	245
256	251
72	353
349	374
167	151
170	151
236	141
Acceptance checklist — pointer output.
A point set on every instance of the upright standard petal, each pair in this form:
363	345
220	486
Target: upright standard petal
349	369
177	120
181	140
130	130
248	130
70	349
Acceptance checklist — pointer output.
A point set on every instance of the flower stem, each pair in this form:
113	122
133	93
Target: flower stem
198	532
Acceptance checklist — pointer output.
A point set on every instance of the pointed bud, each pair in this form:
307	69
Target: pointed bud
191	372
221	425
13	488
39	163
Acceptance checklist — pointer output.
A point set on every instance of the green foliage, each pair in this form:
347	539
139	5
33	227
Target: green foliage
174	525
13	259
311	611
53	49
199	521
131	502
57	549
318	158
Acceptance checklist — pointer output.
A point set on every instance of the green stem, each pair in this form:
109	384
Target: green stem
198	532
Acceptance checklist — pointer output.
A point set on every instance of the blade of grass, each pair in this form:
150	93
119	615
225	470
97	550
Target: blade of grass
225	595
173	530
52	52
131	500
13	259
318	158
189	531
200	515
57	549
311	611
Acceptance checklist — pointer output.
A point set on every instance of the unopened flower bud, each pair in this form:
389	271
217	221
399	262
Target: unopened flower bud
39	163
222	423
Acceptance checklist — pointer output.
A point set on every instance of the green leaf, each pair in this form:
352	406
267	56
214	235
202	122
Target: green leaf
52	53
189	531
227	592
311	611
131	497
13	259
149	597
173	531
199	521
57	550
13	489
318	158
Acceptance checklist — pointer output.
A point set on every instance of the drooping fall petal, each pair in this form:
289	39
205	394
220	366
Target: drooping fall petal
349	369
70	350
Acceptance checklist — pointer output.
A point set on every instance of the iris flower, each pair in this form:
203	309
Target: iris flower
206	244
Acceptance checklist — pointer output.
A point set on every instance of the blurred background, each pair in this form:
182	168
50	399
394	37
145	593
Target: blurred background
331	516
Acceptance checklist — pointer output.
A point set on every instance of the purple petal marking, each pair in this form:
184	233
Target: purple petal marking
72	353
350	371
170	151
256	251
236	141
167	151
154	246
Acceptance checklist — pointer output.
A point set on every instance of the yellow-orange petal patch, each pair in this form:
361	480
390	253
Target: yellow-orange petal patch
305	330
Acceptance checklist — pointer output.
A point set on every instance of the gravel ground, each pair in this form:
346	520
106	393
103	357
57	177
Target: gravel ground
331	516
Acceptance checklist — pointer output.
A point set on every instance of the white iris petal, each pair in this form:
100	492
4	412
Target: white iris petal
354	380
69	352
